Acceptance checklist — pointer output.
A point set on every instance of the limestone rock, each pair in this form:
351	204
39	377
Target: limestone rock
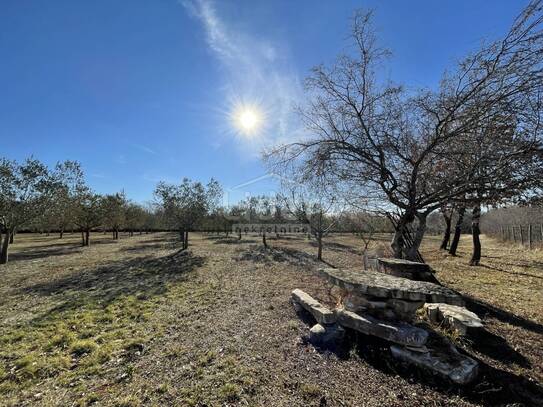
322	314
375	284
405	309
401	333
454	317
451	364
326	335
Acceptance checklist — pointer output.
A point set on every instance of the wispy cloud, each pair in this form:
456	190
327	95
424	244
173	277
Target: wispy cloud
145	149
257	71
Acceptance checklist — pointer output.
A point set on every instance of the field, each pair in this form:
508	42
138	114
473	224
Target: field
136	322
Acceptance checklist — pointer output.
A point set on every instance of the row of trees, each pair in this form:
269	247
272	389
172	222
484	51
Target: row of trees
403	154
35	197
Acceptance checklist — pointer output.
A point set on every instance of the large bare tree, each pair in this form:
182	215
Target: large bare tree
403	150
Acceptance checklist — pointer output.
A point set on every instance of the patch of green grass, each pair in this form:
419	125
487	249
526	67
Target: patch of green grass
206	358
230	392
82	347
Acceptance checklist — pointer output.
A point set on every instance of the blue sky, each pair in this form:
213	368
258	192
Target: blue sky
144	90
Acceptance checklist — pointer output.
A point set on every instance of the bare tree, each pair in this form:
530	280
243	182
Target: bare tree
401	150
311	201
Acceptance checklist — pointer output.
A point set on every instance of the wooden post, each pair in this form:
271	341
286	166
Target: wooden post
502	232
530	236
521	235
513	233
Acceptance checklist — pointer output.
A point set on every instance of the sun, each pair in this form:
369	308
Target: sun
248	120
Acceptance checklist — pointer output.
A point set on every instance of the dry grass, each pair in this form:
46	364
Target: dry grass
137	323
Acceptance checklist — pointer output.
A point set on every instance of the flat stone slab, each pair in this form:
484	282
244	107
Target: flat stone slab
401	333
322	314
375	284
450	364
453	316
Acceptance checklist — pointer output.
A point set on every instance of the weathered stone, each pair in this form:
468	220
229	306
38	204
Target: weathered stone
404	308
451	364
401	333
406	269
326	335
322	314
381	285
452	316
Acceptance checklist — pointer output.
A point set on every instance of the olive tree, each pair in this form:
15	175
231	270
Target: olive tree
186	204
24	194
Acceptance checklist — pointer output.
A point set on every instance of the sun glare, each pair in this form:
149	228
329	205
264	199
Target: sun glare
248	120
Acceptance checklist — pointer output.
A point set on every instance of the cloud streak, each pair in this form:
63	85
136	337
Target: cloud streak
256	72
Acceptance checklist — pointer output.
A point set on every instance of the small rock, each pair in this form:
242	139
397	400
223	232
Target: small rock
453	316
326	335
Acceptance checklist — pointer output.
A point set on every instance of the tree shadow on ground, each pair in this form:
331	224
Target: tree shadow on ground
513	273
145	277
496	347
338	247
281	254
482	309
232	240
33	253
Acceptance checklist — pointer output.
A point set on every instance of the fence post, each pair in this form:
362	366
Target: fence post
521	235
513	233
530	236
503	234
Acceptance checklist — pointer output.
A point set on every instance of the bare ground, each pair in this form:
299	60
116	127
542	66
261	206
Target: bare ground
135	322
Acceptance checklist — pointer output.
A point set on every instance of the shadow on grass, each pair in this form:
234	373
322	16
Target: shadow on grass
482	308
513	273
34	253
337	247
144	277
279	254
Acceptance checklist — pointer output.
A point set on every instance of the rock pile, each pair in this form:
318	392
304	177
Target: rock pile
384	304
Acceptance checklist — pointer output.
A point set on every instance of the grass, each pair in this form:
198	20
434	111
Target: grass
135	322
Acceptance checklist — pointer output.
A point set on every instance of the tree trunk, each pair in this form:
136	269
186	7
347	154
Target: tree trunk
475	232
5	247
264	239
457	231
239	236
413	251
61	233
186	240
82	238
398	240
87	237
12	237
319	243
447	234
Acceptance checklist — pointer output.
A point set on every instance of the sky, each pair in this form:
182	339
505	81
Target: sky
142	91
